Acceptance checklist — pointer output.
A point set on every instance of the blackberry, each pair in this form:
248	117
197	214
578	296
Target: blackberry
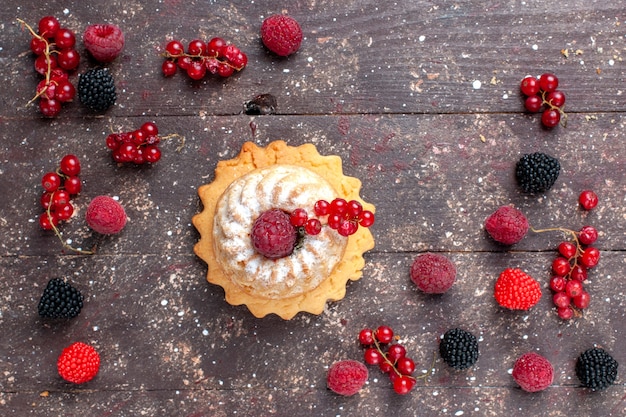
459	348
261	104
60	300
96	89
537	172
596	369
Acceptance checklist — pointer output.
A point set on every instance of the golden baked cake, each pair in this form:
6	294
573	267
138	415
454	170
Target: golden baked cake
285	179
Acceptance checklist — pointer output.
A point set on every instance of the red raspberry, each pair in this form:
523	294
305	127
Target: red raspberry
104	42
516	290
78	363
507	225
346	377
281	34
273	236
533	372
433	273
105	215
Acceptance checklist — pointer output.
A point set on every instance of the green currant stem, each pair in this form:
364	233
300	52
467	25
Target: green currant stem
572	233
46	54
175	135
57	232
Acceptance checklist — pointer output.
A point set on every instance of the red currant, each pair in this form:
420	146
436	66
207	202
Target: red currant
51	181
533	103
403	384
557	283
321	207
168	68
561	299
588	199
529	86
573	288
151	154
550	118
347	227
70	165
45	200
354	208
556	98
313	227
581	301
406	366
590	257
561	266
38	46
366	218
225	70
587	235
149	128
49	108
47	220
72	185
64	38
396	352
386	367
366	337
334	221
384	334
338	206
565	313
65	91
60	198
214	47
175	48
68	59
196	70
548	82
567	249
48	26
196	47
372	356
64	212
579	272
298	217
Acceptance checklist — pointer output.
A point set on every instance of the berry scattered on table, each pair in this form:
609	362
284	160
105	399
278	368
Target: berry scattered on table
433	273
200	58
139	146
96	89
54	47
542	94
60	300
507	225
516	290
537	172
281	34
596	369
346	377
390	357
533	372
105	215
59	186
78	363
273	236
588	199
260	105
459	348
104	41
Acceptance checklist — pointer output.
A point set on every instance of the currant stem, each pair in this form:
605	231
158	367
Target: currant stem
57	232
175	135
563	120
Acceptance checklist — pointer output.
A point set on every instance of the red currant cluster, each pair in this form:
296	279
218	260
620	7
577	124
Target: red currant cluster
542	92
343	216
56	57
59	186
570	268
138	146
216	57
390	357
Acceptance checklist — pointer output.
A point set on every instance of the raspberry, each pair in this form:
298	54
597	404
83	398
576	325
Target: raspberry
281	34
533	372
346	377
433	273
459	348
596	369
78	363
60	300
273	236
537	172
104	42
507	225
96	89
105	215
516	290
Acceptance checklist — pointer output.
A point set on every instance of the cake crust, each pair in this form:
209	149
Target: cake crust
251	158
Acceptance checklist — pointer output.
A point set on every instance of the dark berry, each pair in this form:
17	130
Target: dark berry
60	300
537	172
96	89
261	104
273	235
596	369
459	348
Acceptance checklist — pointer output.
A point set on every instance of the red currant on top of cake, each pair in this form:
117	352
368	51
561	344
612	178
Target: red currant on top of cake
282	229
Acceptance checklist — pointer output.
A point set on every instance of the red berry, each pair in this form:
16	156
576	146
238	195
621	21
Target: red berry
533	372
385	367
149	128
72	185
70	165
346	377
151	154
45	200
68	59
51	181
321	207
366	218
372	356
347	227
281	34
567	249
588	199
533	103
215	46
44	63
272	234
384	334
507	225
556	98
403	385
313	227
48	27
65	211
65	91
573	288
565	313
529	86
561	266
548	82
406	366
175	48
433	273
338	206
354	208
224	70
105	215
64	38
557	283
334	221
60	198
550	118
78	363
516	290
298	217
104	41
196	70
196	47
561	299
395	352
581	301
49	108
168	68
38	46
579	272
366	337
587	235
47	220
590	257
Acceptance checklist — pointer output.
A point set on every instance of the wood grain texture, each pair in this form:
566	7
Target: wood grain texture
391	89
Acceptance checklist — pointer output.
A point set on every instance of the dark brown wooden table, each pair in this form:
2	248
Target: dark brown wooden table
421	100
